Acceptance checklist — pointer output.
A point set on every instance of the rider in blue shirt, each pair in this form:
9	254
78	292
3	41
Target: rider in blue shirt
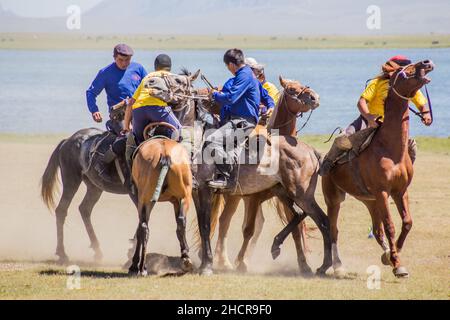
242	96
119	80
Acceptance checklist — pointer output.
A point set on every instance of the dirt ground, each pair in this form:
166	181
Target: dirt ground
28	242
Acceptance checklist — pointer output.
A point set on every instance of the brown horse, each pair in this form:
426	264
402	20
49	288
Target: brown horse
383	170
221	260
294	181
161	171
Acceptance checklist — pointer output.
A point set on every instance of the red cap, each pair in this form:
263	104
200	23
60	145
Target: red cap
398	57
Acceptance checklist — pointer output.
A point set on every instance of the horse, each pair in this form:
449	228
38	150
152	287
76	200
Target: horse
381	171
304	96
231	202
293	183
76	158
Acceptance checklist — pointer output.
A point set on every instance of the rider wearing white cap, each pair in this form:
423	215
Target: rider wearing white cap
258	70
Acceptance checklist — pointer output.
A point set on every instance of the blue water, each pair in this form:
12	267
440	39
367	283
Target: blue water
44	91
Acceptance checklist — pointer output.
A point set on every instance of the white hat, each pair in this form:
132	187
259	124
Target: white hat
252	63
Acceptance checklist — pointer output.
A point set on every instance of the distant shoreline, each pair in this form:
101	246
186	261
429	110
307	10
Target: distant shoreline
426	143
76	41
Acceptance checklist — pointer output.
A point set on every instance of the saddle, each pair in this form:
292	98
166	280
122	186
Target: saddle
360	141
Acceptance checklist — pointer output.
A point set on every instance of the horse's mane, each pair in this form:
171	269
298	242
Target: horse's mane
184	72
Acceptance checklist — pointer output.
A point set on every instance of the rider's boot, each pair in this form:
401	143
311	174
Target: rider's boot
340	145
222	178
131	146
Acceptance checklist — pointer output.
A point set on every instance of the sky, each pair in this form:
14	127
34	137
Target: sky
45	8
252	17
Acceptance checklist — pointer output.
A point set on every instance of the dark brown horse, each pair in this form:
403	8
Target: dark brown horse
383	170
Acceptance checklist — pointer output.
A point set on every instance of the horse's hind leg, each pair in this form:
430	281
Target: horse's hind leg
138	262
71	182
259	223
253	203
221	253
181	209
90	199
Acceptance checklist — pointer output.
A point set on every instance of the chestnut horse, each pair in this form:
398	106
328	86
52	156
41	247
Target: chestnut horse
383	170
161	171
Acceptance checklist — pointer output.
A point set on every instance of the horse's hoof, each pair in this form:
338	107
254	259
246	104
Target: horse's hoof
143	273
62	260
98	257
186	265
306	273
340	272
401	272
133	272
224	266
206	272
275	252
241	267
386	258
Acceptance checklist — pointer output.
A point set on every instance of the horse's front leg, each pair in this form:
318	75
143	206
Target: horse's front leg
221	252
382	206
402	203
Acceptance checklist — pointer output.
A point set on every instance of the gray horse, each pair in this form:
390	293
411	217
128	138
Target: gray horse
77	157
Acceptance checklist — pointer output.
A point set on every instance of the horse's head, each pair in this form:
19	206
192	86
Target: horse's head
407	80
171	88
299	98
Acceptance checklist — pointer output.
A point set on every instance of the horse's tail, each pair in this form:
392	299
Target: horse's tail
48	180
218	203
165	165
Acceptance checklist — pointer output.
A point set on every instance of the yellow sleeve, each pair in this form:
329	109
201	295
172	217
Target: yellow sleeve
369	92
137	93
419	99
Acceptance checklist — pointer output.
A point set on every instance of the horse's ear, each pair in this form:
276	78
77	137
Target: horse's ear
195	76
282	82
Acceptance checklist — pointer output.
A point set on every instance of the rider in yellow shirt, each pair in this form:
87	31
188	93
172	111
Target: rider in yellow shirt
144	108
258	70
371	107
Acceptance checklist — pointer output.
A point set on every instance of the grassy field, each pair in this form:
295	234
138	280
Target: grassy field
82	41
27	241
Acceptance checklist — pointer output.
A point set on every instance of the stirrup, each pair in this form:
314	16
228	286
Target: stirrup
219	183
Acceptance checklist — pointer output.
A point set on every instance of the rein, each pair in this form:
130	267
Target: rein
417	113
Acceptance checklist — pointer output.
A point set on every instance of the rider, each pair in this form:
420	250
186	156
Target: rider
143	108
258	70
119	79
242	96
371	107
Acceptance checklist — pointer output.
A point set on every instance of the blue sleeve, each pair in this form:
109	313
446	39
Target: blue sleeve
240	85
143	72
94	90
265	98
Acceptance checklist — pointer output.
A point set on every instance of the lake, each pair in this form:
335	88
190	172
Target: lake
43	92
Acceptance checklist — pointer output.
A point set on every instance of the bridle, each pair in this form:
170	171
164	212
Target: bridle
419	114
295	115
